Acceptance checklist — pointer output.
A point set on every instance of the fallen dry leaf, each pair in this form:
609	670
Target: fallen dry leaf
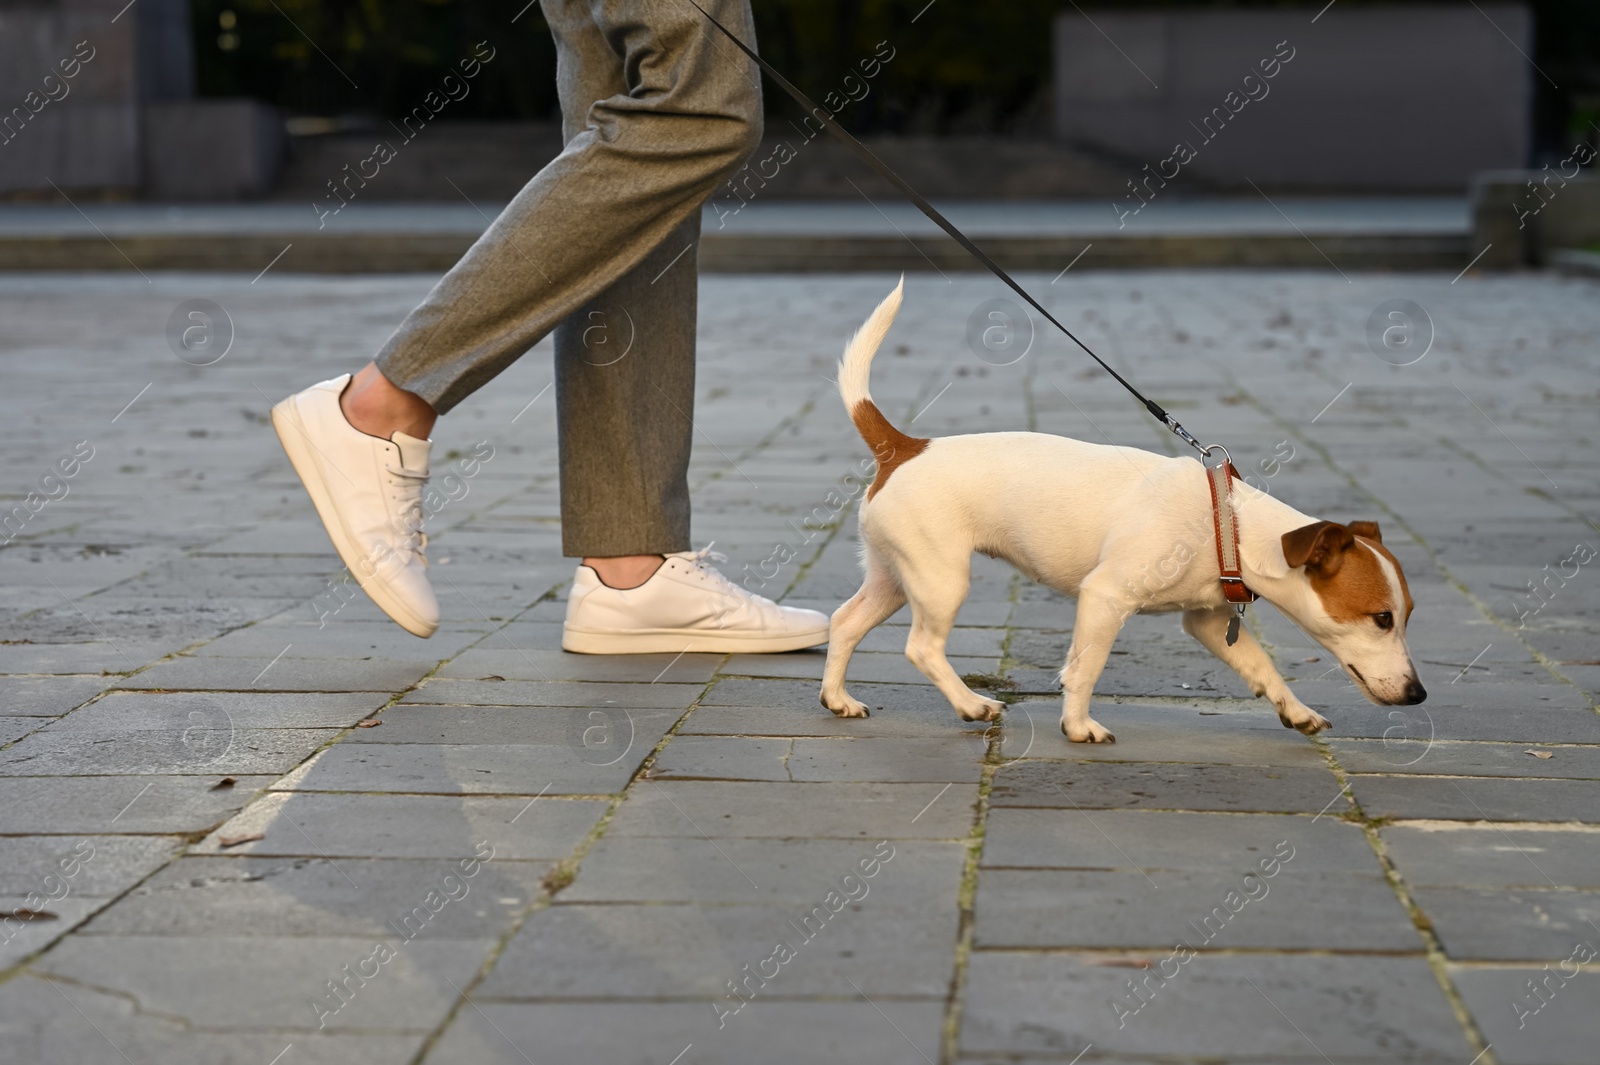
368	722
225	782
25	914
1541	754
1313	658
234	841
492	676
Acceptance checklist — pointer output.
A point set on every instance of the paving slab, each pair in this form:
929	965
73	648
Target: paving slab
1127	840
14	729
808	717
865	666
1500	924
1555	1027
1451	758
124	804
554	693
465	769
340	638
723	758
204	749
783	694
1446	853
102	656
92	866
279	896
845	809
889	759
1204	909
1164	786
216	712
1217	1007
544	664
602	734
22	938
47	696
1229	733
285	674
972	637
63	1022
794	873
778	1032
406	826
692	950
216	981
1503	719
1477	798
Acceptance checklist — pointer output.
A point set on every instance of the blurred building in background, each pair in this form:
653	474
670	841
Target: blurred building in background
100	96
229	99
1377	98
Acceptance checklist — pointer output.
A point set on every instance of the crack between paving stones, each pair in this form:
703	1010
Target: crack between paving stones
562	873
1435	950
191	838
966	898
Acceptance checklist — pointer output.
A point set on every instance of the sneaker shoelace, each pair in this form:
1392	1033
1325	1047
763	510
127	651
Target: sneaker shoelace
408	485
702	559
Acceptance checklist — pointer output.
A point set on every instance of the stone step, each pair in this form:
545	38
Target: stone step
780	237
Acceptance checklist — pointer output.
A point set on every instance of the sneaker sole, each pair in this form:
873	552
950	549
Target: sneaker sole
292	436
677	641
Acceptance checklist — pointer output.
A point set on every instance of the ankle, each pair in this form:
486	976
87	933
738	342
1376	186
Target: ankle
372	405
623	572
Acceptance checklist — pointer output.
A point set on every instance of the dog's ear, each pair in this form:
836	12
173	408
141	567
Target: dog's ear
1369	529
1319	547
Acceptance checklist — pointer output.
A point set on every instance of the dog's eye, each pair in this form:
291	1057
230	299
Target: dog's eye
1385	620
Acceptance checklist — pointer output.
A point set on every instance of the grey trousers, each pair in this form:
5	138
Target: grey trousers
658	110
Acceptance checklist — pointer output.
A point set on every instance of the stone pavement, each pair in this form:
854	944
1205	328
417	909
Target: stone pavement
528	856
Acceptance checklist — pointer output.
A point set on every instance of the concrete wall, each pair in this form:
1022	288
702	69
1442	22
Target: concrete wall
1521	217
1403	97
210	149
126	122
89	137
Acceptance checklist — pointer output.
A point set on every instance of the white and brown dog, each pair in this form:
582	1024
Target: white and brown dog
1124	531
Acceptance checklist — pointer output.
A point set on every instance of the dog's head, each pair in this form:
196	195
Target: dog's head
1357	607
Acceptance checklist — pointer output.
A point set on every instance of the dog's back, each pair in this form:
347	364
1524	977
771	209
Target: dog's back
1046	503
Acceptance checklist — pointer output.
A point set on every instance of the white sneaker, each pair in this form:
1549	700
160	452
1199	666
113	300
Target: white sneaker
686	605
368	492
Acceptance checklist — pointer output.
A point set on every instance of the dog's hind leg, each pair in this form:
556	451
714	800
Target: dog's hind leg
1246	658
1100	618
878	597
936	592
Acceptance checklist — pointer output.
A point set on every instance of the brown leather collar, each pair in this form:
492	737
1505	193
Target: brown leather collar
1225	522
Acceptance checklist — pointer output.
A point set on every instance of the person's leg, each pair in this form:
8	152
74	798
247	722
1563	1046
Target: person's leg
625	364
683	112
657	118
625	372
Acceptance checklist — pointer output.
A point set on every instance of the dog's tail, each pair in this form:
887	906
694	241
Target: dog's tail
889	445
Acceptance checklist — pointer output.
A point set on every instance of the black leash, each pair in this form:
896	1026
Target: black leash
943	223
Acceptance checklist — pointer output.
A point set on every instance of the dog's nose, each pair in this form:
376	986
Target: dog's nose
1415	692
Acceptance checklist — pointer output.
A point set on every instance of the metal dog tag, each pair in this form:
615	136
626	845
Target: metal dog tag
1233	630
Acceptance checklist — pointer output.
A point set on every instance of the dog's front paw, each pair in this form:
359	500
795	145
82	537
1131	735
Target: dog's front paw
1092	732
1303	719
981	710
844	706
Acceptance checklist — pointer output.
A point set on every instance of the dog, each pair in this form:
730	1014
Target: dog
1125	532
